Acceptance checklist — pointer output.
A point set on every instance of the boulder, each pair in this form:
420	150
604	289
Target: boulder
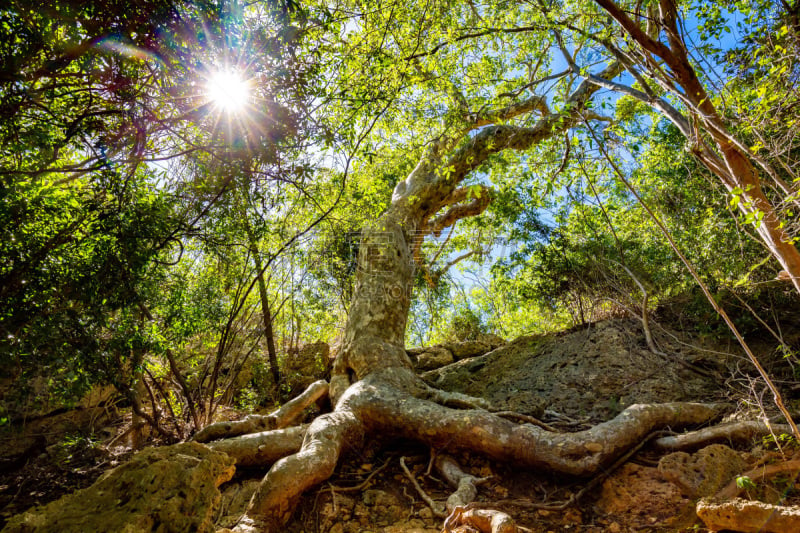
589	374
494	341
524	402
235	498
302	368
748	516
167	489
434	357
703	473
465	349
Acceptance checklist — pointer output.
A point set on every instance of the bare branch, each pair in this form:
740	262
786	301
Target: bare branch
651	45
482	197
435	508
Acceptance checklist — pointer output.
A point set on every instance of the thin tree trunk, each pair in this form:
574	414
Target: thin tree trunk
731	163
269	334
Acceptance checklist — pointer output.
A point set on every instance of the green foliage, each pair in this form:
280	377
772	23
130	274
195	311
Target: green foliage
779	441
75	257
103	242
466	325
75	449
745	483
136	221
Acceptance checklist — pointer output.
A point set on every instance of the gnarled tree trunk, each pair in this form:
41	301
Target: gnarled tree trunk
374	389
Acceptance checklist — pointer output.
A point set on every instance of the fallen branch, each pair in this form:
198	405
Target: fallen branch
435	508
759	474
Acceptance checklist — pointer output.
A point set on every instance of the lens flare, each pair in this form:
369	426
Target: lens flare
228	91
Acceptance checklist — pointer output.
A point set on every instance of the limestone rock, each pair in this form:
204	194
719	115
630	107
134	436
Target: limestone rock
465	349
235	498
303	367
592	372
748	516
434	357
444	354
703	473
523	402
494	341
168	489
19	443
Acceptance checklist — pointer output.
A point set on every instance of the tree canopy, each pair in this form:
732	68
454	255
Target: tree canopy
149	229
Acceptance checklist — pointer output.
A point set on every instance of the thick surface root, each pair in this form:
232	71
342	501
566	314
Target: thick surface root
748	516
283	417
389	412
274	501
482	520
733	431
373	407
264	448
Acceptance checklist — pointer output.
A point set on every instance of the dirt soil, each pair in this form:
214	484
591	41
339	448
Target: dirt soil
55	454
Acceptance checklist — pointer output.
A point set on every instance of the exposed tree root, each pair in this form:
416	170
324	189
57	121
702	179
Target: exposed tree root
595	481
264	448
734	431
364	483
283	417
466	485
380	405
274	501
437	510
761	473
525	418
748	516
464	519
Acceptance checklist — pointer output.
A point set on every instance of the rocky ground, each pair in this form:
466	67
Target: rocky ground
569	381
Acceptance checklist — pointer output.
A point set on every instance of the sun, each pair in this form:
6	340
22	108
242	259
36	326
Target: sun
228	90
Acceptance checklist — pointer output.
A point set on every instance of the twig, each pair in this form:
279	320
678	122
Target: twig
363	483
525	418
430	462
437	510
566	420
